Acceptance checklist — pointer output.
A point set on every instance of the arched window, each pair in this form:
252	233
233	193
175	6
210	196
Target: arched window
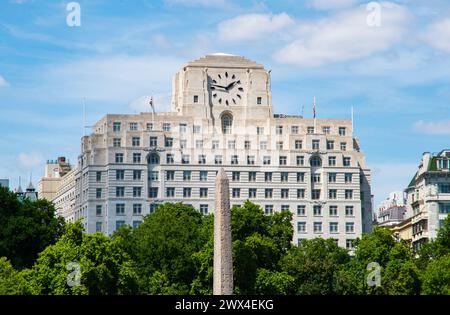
227	123
153	159
316	161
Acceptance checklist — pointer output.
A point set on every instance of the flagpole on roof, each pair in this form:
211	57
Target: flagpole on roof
153	111
314	113
352	118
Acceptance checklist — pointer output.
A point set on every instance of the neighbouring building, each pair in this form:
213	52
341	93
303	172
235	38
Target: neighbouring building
222	116
392	210
55	170
30	193
4	183
428	197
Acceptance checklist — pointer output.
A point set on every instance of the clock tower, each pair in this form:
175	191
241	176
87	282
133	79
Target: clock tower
216	84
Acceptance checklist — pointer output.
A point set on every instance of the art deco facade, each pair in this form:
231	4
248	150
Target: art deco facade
428	197
222	116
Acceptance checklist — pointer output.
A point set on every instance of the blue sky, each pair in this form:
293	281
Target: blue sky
396	74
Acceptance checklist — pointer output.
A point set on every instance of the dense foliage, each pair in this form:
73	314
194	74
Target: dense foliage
171	252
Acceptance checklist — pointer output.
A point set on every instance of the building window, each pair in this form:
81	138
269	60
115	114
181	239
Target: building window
315	144
252	193
349	211
168	142
120	174
98	226
234	160
300	194
266	160
316	161
332	194
349	244
149	126
218	159
170	192
259	100
298	144
301	227
317	227
348	177
343	146
153	142
202	159
310	130
133	126
98	210
332	177
326	130
236	193
268	209
259	130
136	158
185	159
330	145
236	176
250	160
199	144
136	224
187	175
120	209
227	123
187	192
279	130
315	178
247	145
116	126
98	193
342	131
232	145
166	127
285	208
153	159
294	130
203	176
137	192
333	211
136	141
137	209
284	193
279	145
153	192
98	176
284	176
169	159
203	192
268	193
204	209
252	176
349	227
268	176
195	98
317	210
346	161
153	175
283	160
331	161
120	191
183	144
334	227
348	194
197	129
300	177
153	207
117	142
301	210
315	194
119	158
263	145
300	160
444	188
137	175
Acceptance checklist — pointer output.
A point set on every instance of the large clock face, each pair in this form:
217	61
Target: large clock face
226	89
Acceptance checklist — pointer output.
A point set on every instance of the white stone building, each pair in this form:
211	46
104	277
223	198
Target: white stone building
222	116
428	197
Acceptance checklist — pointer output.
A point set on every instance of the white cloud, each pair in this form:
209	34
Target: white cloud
3	82
345	36
253	26
332	4
390	177
438	35
28	161
433	127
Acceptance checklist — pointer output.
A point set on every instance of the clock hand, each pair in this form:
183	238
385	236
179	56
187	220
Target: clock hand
231	85
219	86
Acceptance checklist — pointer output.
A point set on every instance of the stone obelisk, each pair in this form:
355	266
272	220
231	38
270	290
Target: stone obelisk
223	261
